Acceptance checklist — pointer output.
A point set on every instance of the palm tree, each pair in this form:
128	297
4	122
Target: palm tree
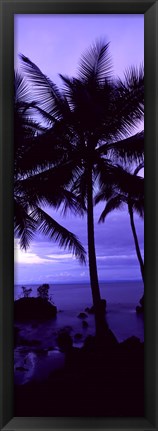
33	176
92	117
128	189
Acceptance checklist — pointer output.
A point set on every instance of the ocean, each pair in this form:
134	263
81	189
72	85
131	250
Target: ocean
122	297
38	354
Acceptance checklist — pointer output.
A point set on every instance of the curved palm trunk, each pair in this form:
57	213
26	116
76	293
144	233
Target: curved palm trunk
141	263
99	306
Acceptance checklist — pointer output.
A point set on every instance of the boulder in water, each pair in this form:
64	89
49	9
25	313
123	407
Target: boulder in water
26	309
82	316
64	341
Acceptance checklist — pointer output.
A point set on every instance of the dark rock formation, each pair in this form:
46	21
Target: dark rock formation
21	369
140	308
91	310
64	341
108	342
131	344
26	309
84	324
78	336
31	343
16	335
82	316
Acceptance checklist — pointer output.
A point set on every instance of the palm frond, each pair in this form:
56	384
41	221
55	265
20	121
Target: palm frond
114	178
105	193
24	224
128	149
138	206
21	89
95	63
138	168
45	91
79	188
127	182
71	201
129	103
134	78
48	226
112	204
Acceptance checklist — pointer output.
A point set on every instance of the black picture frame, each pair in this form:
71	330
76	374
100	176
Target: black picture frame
7	10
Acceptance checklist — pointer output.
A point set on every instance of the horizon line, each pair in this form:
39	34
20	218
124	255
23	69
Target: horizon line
78	282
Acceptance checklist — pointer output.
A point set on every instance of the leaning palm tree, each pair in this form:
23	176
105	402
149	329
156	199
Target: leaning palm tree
93	118
33	176
128	189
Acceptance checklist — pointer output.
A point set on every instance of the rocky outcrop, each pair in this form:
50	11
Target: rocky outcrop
64	341
26	309
82	316
140	308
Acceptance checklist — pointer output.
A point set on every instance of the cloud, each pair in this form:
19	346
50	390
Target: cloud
116	257
60	256
27	257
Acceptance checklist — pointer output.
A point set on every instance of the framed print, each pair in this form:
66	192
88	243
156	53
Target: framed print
78	305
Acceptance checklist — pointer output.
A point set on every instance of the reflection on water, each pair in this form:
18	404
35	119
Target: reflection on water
37	355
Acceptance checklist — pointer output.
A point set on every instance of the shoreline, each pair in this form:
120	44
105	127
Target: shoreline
62	372
92	381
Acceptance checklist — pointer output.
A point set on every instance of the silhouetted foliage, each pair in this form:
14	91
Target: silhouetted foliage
90	123
26	292
127	188
43	291
34	175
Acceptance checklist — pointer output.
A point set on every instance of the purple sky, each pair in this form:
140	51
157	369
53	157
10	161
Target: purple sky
55	43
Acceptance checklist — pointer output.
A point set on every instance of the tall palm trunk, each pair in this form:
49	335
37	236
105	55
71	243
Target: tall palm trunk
141	263
99	306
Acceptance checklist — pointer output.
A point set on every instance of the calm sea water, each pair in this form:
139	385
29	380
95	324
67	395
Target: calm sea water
122	298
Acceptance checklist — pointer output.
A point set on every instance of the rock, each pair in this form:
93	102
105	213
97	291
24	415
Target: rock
107	342
67	329
131	343
16	335
82	316
33	308
34	325
142	301
110	339
91	310
41	352
139	309
64	341
90	343
32	343
78	336
21	369
85	324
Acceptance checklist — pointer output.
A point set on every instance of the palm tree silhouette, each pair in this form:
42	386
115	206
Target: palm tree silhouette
91	117
33	176
128	189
